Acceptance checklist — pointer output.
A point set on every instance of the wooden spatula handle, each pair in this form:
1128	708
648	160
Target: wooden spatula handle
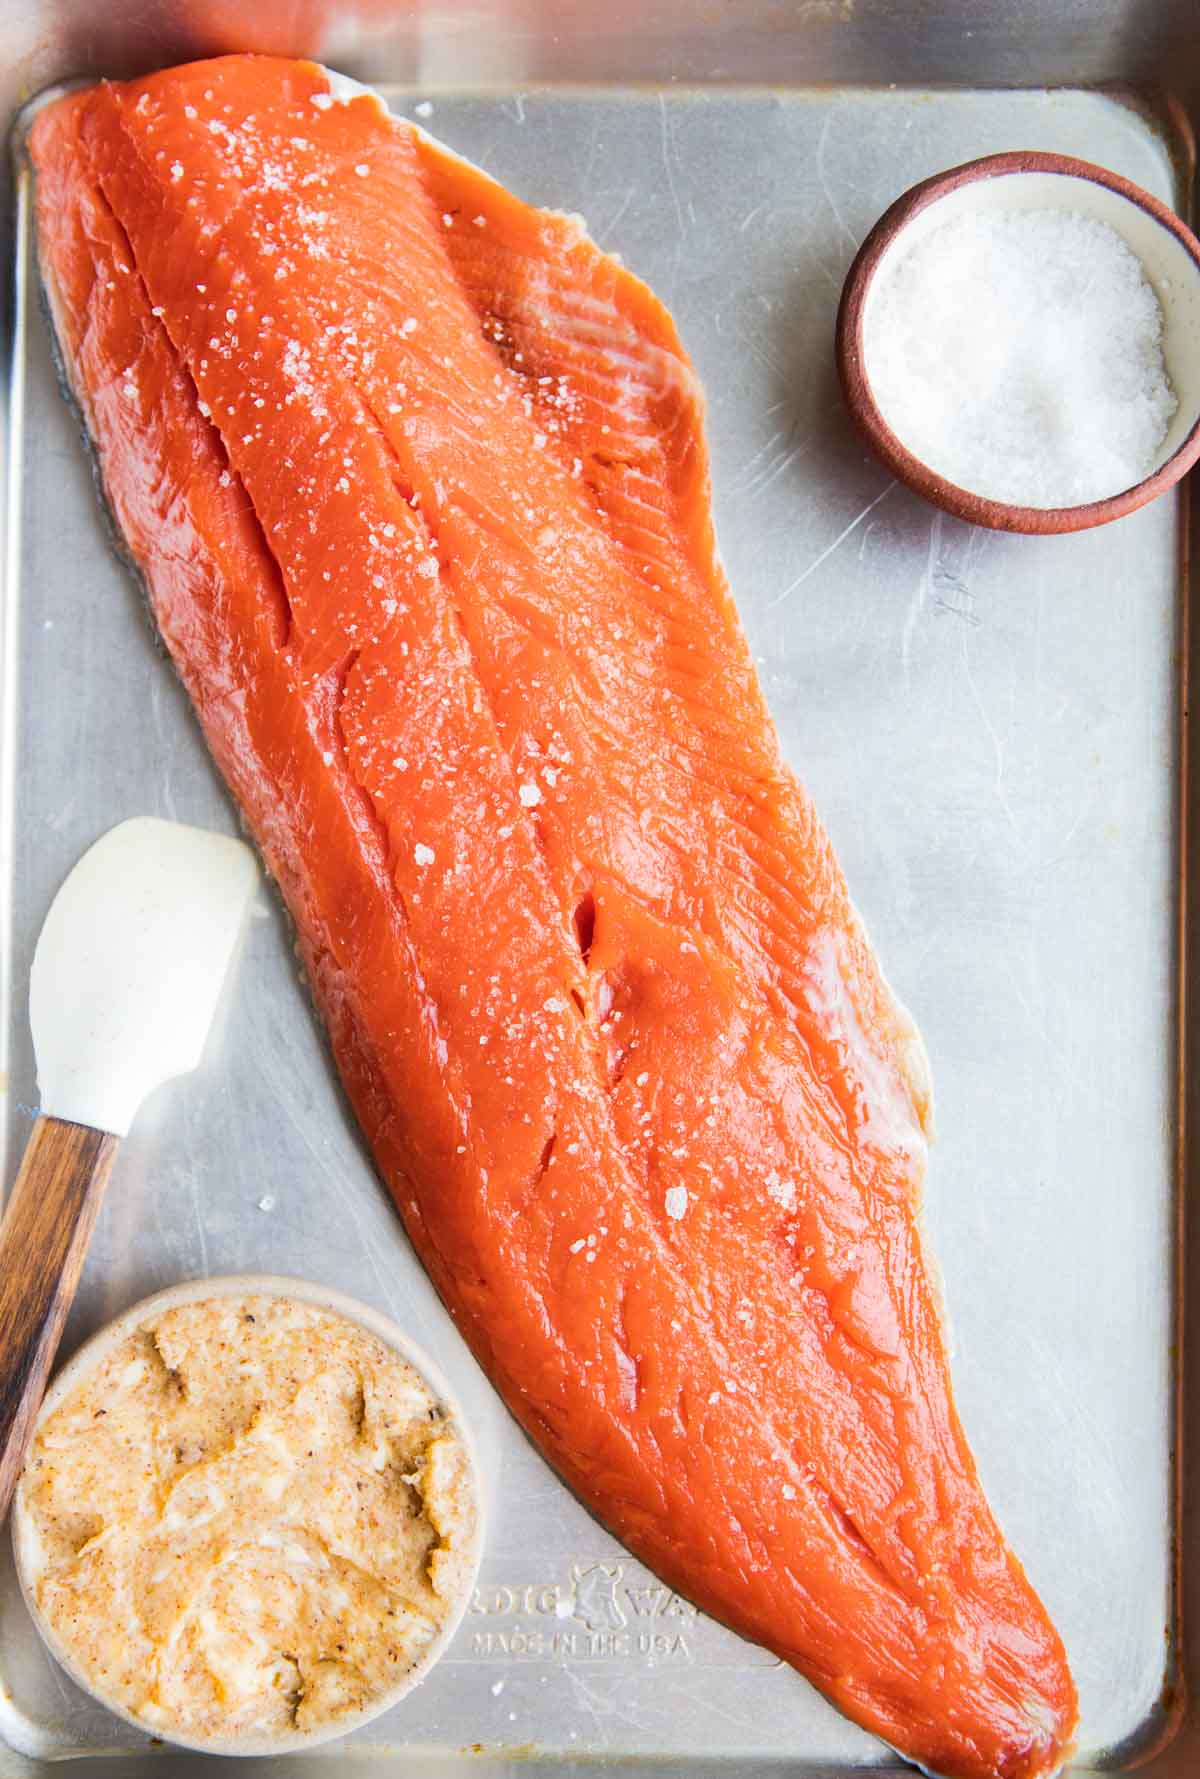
44	1236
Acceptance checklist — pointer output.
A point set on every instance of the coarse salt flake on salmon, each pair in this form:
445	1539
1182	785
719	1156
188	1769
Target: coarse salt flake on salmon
416	479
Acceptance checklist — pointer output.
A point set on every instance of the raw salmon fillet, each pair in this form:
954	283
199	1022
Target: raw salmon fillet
416	479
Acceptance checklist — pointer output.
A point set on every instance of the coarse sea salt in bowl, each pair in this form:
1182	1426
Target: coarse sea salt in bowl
1019	341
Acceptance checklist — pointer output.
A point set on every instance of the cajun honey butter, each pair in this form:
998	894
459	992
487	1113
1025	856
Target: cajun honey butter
252	1519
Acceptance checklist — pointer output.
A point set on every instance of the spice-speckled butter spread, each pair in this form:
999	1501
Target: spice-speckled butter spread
252	1518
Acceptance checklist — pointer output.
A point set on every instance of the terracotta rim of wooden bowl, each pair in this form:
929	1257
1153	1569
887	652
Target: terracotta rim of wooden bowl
910	469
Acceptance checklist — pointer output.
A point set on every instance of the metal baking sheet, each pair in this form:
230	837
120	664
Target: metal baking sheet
991	728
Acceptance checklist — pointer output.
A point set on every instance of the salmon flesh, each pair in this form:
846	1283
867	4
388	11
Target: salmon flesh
416	479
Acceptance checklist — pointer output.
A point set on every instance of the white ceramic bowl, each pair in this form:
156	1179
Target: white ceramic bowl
1170	256
94	1351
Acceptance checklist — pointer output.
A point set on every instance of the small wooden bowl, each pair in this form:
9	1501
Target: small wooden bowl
1170	257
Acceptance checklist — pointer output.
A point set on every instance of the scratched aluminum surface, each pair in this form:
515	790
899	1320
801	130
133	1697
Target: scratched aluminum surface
989	726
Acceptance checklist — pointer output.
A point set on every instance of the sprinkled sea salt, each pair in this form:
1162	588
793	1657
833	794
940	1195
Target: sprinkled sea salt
266	1202
530	795
1019	354
424	109
423	854
343	91
676	1202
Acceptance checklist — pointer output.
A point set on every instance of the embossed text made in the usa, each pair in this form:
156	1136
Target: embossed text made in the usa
596	1615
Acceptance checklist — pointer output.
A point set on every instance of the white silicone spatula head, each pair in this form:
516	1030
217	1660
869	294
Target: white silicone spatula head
126	978
130	964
